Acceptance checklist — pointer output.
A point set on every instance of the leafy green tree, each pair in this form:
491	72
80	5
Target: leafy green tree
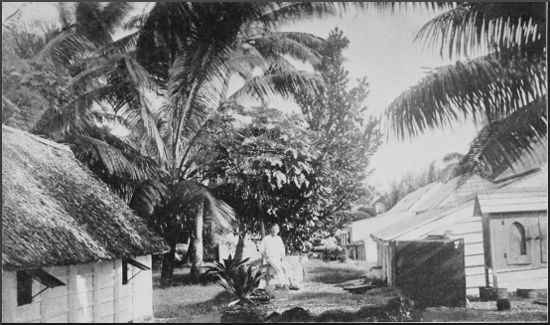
264	169
345	138
504	86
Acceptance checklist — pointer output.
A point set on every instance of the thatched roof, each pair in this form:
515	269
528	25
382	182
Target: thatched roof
56	212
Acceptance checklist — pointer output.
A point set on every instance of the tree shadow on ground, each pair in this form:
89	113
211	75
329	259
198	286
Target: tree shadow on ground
331	276
205	311
325	296
181	277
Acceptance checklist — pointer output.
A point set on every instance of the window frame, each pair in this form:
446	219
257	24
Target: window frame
48	280
125	269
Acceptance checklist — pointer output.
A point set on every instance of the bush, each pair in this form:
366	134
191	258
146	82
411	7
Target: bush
236	277
335	254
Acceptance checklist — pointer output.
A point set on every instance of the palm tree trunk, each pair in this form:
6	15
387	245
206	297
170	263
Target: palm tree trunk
168	261
240	247
197	264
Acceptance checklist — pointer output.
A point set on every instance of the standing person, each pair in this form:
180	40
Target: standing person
273	251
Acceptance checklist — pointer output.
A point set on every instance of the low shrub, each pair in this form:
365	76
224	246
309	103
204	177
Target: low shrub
239	279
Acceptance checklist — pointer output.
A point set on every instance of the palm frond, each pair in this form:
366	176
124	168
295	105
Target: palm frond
13	18
301	46
281	13
283	83
186	194
97	67
124	44
122	169
148	197
470	27
501	143
492	86
244	60
140	77
114	13
64	48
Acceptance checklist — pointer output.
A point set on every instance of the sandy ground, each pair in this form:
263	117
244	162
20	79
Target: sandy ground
522	310
322	291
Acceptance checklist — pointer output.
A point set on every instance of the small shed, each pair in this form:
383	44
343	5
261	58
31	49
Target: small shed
71	250
515	230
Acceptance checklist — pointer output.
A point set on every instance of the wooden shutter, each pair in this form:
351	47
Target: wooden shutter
24	288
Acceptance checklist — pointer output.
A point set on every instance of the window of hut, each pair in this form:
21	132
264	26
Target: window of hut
124	272
519	238
24	288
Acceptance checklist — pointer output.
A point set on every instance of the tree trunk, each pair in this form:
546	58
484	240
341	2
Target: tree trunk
197	264
240	247
168	261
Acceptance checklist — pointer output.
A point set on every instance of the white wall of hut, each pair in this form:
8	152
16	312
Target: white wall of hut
93	293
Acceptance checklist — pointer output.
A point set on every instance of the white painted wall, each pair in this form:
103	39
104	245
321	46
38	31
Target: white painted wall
93	293
527	278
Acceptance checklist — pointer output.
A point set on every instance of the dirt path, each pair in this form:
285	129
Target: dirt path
204	303
323	291
521	311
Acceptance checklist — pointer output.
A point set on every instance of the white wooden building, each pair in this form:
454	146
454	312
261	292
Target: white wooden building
485	215
360	231
71	250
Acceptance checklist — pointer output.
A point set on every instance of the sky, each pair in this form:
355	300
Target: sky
381	49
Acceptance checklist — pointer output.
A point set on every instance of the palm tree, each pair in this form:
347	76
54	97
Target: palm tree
191	69
505	86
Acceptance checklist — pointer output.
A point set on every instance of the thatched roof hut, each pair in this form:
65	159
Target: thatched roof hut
56	212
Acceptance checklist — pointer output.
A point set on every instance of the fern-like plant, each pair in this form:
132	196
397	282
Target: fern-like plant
236	277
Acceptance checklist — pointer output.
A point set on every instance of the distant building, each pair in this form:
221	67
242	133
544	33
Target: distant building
71	250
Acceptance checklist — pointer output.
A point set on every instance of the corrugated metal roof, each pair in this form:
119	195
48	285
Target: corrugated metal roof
397	229
436	200
465	187
410	199
362	229
454	198
441	223
536	179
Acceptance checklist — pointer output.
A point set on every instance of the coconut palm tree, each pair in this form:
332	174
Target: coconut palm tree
191	69
504	85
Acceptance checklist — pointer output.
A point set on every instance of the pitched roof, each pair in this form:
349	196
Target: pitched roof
537	178
361	229
410	199
415	226
56	212
528	192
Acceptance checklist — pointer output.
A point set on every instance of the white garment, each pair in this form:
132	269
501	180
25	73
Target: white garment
273	248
